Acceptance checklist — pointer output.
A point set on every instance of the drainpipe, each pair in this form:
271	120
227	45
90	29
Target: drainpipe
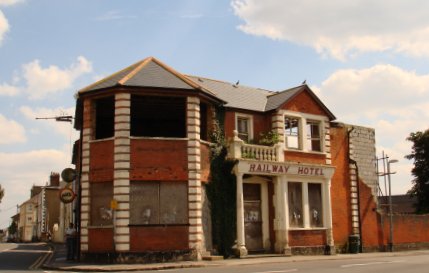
352	161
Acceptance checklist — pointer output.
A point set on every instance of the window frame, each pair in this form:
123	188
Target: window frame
159	205
309	137
249	119
303	120
298	136
306	208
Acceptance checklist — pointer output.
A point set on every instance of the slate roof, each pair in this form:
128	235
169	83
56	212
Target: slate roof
236	96
150	72
147	73
277	99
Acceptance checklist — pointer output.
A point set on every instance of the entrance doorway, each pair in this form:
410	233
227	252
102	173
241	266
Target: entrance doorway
253	217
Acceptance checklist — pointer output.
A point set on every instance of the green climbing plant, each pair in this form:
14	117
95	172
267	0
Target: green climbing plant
221	191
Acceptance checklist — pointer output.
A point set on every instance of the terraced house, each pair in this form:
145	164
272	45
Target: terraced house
300	176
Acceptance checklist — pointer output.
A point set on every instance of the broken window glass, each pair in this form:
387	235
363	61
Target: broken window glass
295	204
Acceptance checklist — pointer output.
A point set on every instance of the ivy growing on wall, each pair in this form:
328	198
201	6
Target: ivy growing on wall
221	191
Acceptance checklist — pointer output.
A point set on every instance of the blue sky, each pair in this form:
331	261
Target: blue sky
367	60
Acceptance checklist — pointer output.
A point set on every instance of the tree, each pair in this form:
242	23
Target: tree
1	193
420	171
12	228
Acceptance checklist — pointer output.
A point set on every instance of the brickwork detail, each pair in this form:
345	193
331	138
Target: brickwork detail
194	175
84	176
327	141
277	123
121	180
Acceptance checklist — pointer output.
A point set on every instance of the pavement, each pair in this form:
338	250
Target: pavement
56	260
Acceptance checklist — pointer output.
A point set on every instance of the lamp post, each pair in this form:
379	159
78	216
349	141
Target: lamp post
390	245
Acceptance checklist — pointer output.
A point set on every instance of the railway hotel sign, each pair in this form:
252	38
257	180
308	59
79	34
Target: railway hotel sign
285	169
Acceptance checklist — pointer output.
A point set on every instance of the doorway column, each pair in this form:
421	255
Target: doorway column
281	214
241	244
328	217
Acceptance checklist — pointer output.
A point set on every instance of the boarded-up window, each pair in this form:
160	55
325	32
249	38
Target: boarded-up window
158	203
101	196
315	204
295	204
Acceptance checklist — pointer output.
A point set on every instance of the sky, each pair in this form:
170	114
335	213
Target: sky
366	60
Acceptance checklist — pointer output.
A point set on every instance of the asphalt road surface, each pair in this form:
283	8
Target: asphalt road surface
416	263
21	257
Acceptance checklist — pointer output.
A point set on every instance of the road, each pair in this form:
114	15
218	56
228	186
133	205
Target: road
26	257
21	257
415	263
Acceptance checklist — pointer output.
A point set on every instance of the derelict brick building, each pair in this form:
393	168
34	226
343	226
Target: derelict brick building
145	143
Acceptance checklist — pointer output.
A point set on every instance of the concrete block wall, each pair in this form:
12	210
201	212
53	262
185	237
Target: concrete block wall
363	151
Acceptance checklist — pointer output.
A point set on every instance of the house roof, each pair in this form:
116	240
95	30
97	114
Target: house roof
401	204
236	95
278	99
150	72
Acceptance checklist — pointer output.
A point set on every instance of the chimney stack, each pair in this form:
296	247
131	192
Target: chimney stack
54	179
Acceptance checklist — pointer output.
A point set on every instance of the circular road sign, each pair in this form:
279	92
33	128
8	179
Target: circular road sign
67	195
68	175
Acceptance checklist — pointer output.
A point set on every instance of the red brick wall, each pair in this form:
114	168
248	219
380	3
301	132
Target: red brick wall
307	238
372	235
261	124
408	229
155	159
305	157
229	124
100	240
101	161
340	186
158	238
304	103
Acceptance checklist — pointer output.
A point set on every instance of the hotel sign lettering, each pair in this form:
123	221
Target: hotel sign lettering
268	168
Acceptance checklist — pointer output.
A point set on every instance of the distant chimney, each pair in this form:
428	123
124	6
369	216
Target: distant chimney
54	180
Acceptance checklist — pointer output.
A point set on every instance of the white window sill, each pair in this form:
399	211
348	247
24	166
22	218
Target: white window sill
307	229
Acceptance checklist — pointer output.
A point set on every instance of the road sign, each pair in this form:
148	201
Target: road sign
67	195
68	175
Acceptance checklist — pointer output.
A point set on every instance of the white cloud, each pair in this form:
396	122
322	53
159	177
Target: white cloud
8	90
63	128
338	28
20	171
381	89
11	132
44	81
40	82
391	100
4	26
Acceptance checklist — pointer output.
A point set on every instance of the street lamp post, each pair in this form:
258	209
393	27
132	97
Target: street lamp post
390	245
